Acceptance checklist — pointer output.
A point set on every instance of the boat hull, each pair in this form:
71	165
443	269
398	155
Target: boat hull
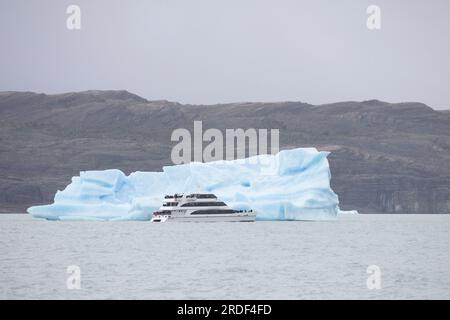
206	218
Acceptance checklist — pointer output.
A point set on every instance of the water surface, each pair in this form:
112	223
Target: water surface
262	260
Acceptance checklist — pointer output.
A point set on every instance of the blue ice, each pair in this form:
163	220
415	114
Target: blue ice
291	185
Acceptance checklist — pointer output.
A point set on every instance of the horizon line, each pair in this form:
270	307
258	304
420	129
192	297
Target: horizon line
437	108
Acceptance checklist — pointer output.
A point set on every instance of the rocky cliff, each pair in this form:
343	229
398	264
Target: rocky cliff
386	158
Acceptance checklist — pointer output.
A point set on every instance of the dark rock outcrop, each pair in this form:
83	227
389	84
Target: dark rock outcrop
386	158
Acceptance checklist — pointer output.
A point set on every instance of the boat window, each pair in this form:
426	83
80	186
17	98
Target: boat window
164	212
226	211
206	196
204	204
170	204
201	196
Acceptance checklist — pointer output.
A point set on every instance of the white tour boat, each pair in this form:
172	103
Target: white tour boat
199	207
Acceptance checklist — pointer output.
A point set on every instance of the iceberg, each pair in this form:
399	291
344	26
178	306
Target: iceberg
348	212
290	185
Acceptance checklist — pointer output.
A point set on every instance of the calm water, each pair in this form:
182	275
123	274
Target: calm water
262	260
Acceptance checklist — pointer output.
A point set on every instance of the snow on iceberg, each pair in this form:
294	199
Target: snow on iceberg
291	185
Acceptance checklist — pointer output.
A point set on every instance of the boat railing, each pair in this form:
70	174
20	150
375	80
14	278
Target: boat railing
175	196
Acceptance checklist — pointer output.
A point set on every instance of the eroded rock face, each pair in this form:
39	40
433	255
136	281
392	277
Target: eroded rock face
386	158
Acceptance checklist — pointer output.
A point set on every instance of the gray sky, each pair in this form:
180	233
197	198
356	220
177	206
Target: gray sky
214	51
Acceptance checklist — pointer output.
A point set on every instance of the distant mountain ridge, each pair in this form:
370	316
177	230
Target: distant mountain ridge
386	158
